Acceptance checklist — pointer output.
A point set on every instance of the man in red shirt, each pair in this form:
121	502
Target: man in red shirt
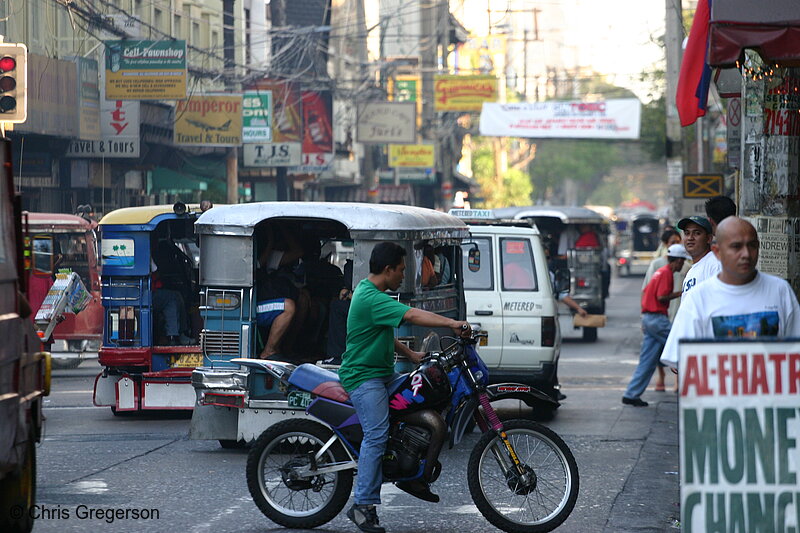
655	323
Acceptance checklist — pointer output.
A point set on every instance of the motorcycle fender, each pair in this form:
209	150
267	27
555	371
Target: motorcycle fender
462	419
516	391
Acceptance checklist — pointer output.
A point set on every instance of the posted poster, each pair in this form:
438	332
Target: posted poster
739	429
209	120
257	116
609	119
145	70
317	151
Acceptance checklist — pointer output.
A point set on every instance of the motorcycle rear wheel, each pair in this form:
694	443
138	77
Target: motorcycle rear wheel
539	506
302	503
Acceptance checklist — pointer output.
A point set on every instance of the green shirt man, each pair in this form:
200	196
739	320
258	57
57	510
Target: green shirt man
371	321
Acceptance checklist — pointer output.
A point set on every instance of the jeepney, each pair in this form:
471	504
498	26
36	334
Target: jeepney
590	271
24	369
57	241
236	400
143	368
638	238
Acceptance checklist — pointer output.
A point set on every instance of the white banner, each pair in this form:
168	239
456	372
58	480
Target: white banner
611	119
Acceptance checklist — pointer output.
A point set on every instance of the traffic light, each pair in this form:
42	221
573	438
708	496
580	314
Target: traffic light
13	82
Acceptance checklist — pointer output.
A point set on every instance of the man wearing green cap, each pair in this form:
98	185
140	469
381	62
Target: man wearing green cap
697	237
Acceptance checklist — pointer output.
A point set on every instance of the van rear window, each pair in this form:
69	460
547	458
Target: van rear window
480	279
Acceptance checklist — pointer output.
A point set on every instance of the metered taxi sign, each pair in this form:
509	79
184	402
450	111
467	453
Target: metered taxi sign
702	185
484	214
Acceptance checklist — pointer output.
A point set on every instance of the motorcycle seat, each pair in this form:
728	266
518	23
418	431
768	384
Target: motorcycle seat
319	381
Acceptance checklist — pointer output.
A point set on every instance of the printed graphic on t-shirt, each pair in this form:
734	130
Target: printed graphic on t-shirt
763	324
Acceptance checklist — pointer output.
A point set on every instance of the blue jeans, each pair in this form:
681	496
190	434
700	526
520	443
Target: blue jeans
371	400
656	329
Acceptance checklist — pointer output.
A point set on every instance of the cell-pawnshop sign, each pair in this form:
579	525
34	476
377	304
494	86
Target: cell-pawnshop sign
145	70
739	436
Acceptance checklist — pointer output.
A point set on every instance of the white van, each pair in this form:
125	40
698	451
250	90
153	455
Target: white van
509	294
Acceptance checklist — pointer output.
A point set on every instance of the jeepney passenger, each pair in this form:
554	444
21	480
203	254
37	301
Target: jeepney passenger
276	294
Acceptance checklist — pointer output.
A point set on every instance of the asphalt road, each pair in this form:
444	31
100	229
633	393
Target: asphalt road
91	461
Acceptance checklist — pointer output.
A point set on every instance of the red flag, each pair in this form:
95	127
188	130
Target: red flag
692	95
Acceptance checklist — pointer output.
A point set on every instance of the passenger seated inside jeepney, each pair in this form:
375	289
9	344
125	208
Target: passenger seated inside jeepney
171	284
337	321
276	293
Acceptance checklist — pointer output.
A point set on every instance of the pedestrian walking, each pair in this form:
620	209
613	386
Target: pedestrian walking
718	209
738	302
655	323
697	237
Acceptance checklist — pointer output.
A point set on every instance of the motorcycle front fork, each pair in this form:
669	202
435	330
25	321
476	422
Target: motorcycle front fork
505	454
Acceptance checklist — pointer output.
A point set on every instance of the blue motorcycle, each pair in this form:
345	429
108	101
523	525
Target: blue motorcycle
521	475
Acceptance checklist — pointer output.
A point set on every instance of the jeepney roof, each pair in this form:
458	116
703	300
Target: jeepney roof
567	214
362	218
58	222
141	215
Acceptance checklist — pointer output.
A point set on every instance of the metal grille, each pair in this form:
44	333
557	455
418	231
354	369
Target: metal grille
219	342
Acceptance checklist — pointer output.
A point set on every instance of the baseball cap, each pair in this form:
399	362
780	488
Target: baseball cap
700	221
677	250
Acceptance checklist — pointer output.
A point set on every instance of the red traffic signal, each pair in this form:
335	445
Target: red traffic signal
7	64
13	82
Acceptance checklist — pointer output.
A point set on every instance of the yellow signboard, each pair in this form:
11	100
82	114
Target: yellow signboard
411	155
463	93
209	120
702	185
145	70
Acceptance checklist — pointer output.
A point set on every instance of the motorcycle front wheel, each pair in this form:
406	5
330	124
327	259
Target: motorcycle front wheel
537	502
298	502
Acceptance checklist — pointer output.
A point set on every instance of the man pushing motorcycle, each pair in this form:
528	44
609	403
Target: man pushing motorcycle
368	367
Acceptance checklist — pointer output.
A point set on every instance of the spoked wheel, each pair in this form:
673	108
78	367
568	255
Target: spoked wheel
274	475
538	500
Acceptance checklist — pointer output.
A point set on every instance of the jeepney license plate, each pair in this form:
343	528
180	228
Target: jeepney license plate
299	399
188	360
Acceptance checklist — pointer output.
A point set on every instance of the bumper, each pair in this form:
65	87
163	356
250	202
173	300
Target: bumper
166	390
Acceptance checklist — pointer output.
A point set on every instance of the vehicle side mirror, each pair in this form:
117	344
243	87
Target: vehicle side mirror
42	254
562	280
474	259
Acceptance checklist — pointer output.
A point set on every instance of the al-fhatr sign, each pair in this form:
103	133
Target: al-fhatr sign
739	433
411	155
145	70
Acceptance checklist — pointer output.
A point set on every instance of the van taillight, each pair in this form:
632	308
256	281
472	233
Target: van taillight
581	282
548	331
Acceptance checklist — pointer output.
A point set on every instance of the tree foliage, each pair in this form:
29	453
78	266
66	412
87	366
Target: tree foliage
583	161
512	188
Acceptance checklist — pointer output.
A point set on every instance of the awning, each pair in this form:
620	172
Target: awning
774	43
771	27
164	179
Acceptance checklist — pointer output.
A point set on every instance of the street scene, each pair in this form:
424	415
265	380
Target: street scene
400	265
148	462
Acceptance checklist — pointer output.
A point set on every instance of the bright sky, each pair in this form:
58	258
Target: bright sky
616	36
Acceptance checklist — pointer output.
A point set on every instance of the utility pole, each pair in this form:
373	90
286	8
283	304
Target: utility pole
229	54
673	42
428	65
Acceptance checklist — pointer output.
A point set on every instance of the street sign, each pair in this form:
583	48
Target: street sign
702	185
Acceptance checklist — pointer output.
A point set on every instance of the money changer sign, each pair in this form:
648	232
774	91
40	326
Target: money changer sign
739	429
209	120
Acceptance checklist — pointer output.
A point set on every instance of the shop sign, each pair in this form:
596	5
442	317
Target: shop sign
463	93
575	119
209	120
287	109
145	70
739	459
257	116
411	155
407	175
272	154
119	131
33	164
386	122
88	99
